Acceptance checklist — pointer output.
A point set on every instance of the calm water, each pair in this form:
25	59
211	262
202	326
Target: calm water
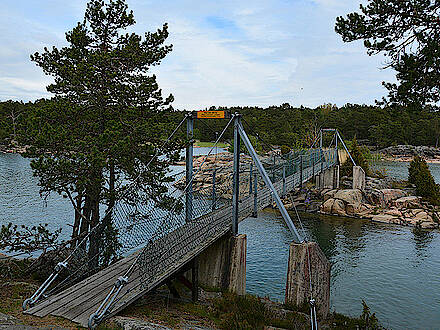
399	170
396	271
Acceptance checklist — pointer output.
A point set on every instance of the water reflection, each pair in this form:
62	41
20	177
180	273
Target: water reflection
422	240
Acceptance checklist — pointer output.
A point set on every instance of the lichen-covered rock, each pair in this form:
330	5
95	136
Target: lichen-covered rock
407	202
349	196
334	206
394	212
392	194
352	209
385	218
330	194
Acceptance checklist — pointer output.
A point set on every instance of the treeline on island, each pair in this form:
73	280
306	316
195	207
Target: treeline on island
378	126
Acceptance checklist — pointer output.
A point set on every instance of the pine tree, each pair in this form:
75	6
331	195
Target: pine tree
108	116
420	175
407	32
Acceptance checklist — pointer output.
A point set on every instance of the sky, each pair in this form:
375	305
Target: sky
225	53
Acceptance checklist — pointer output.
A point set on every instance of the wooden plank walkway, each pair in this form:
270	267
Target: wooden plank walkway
78	302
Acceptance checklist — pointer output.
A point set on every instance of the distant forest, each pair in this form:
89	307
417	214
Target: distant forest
282	125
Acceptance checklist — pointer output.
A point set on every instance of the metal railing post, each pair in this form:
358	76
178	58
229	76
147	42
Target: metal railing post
320	151
236	181
250	178
301	170
284	180
189	168
337	152
214	193
255	213
273	169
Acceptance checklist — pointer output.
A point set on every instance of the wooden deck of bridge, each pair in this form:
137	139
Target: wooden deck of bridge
78	302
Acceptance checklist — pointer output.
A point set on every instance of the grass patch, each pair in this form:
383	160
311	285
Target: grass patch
210	144
250	312
12	295
366	321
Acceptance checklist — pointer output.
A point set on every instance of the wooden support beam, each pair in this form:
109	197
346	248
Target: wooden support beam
195	280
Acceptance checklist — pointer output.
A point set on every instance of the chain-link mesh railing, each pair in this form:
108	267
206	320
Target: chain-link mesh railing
166	237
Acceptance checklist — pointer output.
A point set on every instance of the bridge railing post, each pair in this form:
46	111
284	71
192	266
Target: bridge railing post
301	170
273	168
251	168
284	180
214	193
321	153
255	213
189	168
236	181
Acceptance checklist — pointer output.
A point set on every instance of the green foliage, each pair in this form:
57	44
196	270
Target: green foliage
107	119
366	321
12	115
249	312
372	125
285	149
27	239
407	32
421	177
255	143
359	156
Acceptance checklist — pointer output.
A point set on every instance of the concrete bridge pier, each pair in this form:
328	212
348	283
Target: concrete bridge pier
328	179
300	273
358	178
223	265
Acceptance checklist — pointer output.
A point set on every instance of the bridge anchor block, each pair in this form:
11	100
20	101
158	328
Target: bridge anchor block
299	275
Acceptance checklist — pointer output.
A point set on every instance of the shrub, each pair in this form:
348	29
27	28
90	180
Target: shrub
359	156
250	312
421	177
285	149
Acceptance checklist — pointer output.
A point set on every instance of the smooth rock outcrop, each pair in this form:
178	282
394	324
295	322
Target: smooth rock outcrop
407	202
349	196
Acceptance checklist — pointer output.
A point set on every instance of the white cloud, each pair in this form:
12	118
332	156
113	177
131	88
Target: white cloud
269	52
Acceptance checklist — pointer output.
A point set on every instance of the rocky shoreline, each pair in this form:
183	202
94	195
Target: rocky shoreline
10	149
405	153
380	202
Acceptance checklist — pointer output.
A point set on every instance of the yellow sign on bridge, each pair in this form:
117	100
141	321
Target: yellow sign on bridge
211	114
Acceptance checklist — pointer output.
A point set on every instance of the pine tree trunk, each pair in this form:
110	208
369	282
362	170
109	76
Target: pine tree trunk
86	219
95	237
77	219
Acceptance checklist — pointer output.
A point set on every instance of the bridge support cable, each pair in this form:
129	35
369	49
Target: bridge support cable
345	147
312	302
267	181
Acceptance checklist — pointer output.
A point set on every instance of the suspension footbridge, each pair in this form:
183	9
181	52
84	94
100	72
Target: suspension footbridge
159	244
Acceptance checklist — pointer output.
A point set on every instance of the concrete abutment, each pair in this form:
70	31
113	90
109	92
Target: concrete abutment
223	264
358	178
328	179
299	275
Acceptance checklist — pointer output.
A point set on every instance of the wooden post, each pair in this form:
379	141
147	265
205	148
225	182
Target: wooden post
195	280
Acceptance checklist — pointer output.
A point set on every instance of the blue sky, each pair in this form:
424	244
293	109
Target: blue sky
248	52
